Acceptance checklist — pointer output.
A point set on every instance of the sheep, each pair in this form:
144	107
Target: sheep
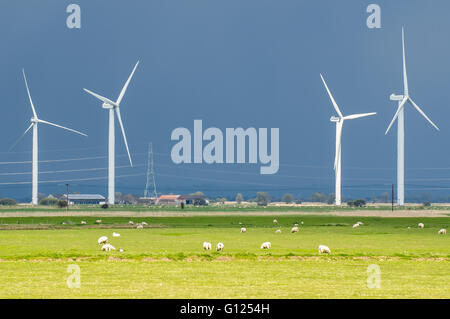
294	229
324	250
139	226
219	247
144	224
355	226
206	246
296	225
116	234
83	222
266	245
442	231
108	247
275	222
421	225
130	222
302	222
98	221
278	231
102	240
243	230
360	223
121	250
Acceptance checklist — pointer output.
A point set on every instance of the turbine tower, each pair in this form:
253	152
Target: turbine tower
34	124
114	107
339	120
399	116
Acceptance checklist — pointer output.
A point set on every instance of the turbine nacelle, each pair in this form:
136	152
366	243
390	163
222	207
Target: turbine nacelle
107	106
395	97
335	119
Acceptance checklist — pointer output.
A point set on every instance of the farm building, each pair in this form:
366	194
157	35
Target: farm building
171	200
85	199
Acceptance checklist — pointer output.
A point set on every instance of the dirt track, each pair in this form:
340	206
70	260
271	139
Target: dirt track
361	213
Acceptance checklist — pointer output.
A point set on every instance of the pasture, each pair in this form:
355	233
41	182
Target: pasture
166	259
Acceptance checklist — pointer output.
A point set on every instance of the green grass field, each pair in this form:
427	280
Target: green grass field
166	259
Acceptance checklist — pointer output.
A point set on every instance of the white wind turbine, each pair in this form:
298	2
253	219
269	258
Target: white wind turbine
34	124
114	106
399	115
339	120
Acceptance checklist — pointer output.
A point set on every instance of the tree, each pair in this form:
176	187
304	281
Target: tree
239	198
62	203
331	199
356	203
319	197
262	198
198	193
287	198
7	202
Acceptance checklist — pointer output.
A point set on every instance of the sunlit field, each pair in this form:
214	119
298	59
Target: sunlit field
166	259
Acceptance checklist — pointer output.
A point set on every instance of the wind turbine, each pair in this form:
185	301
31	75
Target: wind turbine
339	120
114	106
399	116
34	124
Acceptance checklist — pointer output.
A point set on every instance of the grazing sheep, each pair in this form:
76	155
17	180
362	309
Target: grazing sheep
296	225
275	222
360	223
116	234
442	231
278	231
83	222
421	225
130	222
294	229
108	247
98	221
355	226
102	240
206	246
219	247
139	226
324	250
144	224
243	230
121	250
266	245
302	222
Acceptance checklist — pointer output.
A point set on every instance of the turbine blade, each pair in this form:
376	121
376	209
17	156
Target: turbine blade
63	127
101	98
400	107
122	93
357	116
338	138
423	114
20	138
29	95
405	77
123	134
336	107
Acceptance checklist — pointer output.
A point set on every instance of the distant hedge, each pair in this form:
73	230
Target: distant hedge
48	201
7	202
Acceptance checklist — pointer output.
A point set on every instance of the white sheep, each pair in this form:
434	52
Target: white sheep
144	224
302	222
139	226
121	250
275	221
243	230
102	240
206	246
295	225
294	229
219	247
130	222
355	226
98	221
442	231
116	234
108	247
83	222
360	223
266	245
324	250
278	231
421	225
